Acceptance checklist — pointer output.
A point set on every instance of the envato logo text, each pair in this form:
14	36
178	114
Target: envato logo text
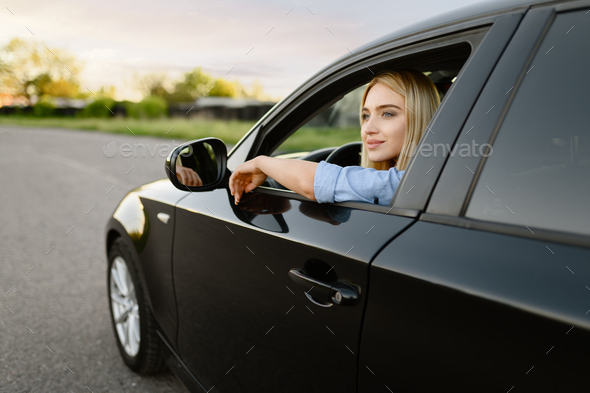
464	150
128	150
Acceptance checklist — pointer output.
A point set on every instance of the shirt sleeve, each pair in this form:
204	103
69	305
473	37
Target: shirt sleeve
333	183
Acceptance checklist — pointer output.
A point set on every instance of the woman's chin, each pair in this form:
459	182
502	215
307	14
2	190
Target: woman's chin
378	159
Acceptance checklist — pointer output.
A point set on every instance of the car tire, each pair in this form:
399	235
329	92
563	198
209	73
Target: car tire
132	320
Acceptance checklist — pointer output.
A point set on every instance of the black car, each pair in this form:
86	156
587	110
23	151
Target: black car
476	277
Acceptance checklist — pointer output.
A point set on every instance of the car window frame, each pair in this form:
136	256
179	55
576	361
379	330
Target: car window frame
449	203
240	151
346	79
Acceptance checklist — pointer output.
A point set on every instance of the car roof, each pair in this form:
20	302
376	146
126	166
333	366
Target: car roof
463	14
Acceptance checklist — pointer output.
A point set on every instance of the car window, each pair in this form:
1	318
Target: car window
339	125
334	126
538	172
326	116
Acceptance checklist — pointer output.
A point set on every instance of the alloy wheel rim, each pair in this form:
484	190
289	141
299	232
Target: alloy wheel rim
124	307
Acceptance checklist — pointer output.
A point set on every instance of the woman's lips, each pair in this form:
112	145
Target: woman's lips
373	144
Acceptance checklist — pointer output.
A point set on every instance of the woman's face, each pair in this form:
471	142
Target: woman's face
383	123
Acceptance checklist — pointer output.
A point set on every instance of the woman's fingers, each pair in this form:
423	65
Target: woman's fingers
196	180
245	178
188	177
237	193
234	188
237	182
232	183
250	187
179	175
232	180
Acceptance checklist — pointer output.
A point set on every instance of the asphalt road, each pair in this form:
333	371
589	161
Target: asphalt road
57	190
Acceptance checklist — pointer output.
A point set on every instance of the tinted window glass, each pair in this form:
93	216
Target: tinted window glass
538	173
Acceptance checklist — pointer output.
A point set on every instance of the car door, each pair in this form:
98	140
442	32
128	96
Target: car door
244	323
253	315
488	291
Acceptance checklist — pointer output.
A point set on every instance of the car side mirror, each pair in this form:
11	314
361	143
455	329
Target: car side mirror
199	165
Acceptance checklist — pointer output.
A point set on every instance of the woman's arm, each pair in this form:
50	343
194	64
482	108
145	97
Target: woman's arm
355	183
296	175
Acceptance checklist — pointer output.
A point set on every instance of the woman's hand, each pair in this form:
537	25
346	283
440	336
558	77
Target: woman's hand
188	177
246	177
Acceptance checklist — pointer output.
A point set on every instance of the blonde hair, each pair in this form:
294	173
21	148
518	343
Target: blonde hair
421	100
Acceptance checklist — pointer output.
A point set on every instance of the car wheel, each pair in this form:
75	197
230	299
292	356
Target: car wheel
133	322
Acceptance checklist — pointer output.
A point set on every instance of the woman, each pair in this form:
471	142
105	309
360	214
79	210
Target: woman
395	110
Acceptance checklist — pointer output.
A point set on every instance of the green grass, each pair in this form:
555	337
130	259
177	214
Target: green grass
304	139
311	138
228	131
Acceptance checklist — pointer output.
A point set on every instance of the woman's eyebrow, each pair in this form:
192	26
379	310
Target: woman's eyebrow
385	106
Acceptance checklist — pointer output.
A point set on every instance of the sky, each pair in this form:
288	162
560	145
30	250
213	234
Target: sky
279	43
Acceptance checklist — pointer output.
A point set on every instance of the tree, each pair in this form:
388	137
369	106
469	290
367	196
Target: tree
152	107
225	88
106	92
60	88
153	84
194	84
29	68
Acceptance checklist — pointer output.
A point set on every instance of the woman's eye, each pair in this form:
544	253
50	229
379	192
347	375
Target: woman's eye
388	114
364	116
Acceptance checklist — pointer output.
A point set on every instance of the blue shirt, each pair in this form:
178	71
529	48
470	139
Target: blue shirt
333	183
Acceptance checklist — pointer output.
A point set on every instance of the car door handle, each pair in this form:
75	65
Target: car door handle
322	293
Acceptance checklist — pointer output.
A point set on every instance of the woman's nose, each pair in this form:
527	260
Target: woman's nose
369	127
